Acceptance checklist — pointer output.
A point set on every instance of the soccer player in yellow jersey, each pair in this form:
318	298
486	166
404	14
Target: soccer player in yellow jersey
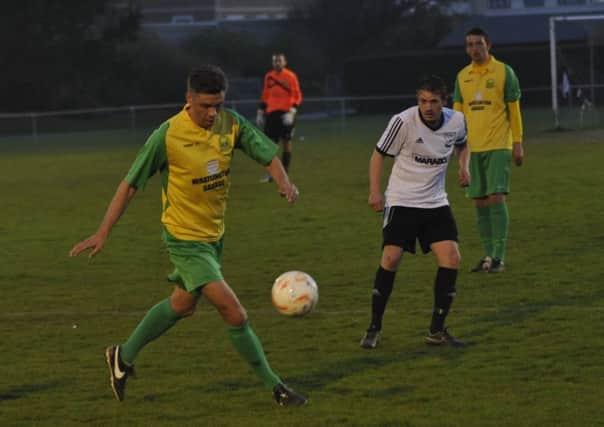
488	93
192	151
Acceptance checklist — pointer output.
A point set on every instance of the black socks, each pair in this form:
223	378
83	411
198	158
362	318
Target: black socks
444	292
382	288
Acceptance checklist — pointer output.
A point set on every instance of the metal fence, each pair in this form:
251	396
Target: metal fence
140	117
575	113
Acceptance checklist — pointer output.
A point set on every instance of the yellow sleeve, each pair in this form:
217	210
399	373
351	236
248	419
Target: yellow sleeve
458	106
515	120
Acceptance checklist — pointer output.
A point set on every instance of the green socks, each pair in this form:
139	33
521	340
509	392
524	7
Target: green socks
493	226
249	347
500	223
483	215
161	318
158	320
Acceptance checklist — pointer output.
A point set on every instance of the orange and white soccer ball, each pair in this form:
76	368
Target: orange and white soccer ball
295	293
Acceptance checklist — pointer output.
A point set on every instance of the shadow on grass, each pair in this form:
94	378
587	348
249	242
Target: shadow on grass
320	378
367	360
21	391
373	359
516	314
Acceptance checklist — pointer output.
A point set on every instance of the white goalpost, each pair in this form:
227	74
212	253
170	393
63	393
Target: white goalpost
553	58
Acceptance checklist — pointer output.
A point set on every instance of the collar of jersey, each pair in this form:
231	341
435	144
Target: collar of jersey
484	68
195	125
442	120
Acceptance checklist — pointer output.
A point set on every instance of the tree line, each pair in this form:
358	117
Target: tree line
92	53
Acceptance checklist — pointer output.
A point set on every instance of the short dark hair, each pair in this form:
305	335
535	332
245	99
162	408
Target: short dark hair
207	79
434	84
478	31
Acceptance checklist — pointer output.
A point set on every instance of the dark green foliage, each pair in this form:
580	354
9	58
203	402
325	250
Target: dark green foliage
349	28
57	54
235	52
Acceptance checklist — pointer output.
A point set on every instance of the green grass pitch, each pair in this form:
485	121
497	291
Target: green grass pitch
535	332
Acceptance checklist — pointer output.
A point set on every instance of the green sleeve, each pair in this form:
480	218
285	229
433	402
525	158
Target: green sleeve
150	159
457	93
253	142
512	87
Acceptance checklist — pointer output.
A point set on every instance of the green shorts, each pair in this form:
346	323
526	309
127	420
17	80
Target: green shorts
195	263
489	173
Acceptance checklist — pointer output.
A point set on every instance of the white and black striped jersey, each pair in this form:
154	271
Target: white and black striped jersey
421	157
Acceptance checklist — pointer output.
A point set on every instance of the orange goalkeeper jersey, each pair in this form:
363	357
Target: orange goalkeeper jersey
281	91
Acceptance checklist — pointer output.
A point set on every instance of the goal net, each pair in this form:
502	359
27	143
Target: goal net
577	71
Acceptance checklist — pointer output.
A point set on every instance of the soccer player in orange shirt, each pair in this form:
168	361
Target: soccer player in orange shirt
281	97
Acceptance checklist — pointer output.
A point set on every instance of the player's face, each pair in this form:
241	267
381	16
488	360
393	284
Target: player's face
477	48
204	108
430	105
278	62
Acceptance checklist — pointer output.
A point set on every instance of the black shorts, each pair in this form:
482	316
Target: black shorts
275	129
403	226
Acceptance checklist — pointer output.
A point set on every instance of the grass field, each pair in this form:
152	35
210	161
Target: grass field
535	353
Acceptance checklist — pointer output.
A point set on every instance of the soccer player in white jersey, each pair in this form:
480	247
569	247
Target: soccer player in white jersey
421	139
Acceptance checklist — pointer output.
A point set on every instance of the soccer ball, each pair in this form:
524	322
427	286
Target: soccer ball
295	293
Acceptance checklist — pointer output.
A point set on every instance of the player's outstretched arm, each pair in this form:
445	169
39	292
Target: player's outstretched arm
286	188
376	168
463	155
123	195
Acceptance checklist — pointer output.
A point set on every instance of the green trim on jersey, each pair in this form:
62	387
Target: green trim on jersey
253	142
483	94
512	86
457	93
195	164
150	158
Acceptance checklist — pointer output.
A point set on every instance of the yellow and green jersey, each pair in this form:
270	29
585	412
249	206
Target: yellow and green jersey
195	166
489	97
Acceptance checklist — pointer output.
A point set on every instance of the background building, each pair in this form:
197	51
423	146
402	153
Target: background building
175	21
515	7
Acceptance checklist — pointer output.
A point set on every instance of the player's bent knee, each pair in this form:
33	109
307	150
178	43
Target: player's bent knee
390	264
495	198
451	261
393	266
455	259
233	314
237	318
183	303
391	258
447	254
238	321
184	309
